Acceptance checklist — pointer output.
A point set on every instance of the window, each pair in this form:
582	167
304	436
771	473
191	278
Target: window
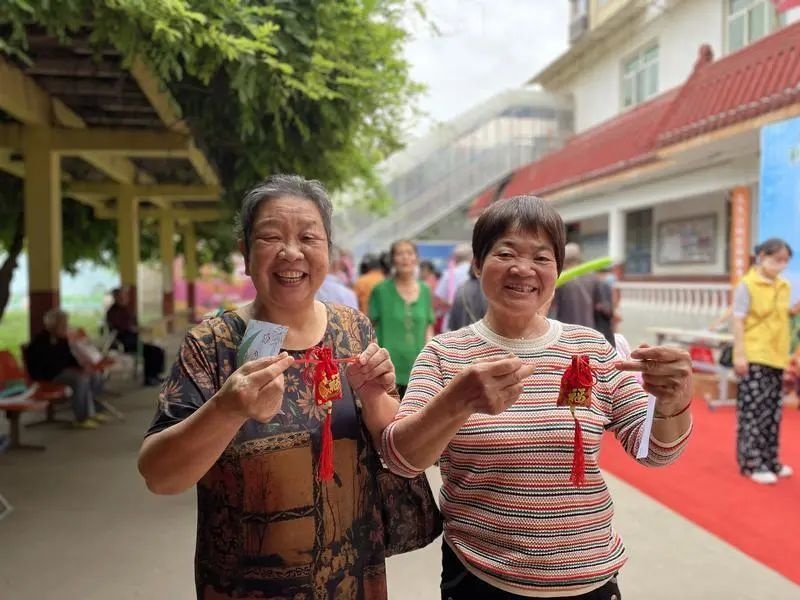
578	8
638	242
640	77
748	21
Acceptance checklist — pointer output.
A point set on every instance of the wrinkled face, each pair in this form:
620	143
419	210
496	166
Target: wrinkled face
288	258
519	273
774	264
405	259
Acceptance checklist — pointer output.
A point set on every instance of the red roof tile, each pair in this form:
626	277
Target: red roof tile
484	199
760	78
615	145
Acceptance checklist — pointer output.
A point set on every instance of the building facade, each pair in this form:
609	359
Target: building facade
663	170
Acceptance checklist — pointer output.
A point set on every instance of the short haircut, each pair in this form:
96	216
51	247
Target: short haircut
281	186
773	246
53	316
521	213
398	243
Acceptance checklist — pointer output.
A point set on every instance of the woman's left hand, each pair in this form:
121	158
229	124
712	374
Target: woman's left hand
373	373
666	374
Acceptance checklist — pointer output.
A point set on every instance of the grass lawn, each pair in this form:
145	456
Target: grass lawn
14	327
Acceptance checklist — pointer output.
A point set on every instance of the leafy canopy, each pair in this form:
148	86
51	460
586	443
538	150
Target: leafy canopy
317	87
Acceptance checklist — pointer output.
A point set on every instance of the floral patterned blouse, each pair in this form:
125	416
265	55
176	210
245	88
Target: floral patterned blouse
267	528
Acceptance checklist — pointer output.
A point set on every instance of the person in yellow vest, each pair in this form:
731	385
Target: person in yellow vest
761	314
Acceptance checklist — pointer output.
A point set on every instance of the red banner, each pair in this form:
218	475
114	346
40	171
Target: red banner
740	233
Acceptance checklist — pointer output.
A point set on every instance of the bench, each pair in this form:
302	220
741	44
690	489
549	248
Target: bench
46	391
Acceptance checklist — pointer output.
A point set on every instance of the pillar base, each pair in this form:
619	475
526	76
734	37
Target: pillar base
39	303
168	308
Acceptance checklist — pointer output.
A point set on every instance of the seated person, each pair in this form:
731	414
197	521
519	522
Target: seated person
50	358
122	321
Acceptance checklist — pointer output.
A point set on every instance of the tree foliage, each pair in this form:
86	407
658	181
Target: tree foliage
318	87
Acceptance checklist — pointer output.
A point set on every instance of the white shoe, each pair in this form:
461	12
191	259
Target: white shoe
786	471
764	477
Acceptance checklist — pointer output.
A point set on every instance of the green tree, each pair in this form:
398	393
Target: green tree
318	87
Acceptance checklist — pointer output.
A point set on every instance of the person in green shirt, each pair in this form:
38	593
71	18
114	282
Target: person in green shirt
401	309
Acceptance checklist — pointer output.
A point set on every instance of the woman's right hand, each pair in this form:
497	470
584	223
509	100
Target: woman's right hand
741	366
255	390
491	386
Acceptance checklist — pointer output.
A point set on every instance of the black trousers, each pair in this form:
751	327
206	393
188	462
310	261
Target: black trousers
460	584
153	356
758	419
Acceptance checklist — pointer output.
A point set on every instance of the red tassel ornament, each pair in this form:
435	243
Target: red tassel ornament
324	377
576	391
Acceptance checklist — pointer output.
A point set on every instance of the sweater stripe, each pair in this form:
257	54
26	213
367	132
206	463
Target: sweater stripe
510	511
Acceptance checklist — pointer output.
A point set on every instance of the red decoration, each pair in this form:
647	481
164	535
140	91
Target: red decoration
576	391
327	383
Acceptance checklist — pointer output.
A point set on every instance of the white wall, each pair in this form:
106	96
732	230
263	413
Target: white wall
714	204
680	32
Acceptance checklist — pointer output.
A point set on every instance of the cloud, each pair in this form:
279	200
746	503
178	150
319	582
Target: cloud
483	47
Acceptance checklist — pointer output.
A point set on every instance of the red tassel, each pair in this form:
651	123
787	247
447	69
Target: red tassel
326	453
324	376
575	391
578	475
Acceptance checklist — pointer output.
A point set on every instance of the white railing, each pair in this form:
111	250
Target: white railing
684	305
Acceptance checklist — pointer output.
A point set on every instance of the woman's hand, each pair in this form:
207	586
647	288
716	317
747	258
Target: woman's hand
741	366
491	386
666	374
255	390
373	373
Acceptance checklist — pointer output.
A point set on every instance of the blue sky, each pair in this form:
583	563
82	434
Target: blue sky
484	47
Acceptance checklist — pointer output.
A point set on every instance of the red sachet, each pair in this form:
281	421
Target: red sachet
576	391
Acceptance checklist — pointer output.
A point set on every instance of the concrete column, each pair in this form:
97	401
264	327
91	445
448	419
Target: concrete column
128	242
167	245
616	235
43	226
190	267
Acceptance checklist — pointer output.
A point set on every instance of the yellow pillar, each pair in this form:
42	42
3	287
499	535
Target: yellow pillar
128	242
190	267
43	227
167	245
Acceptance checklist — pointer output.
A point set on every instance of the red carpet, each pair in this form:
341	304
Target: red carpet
704	486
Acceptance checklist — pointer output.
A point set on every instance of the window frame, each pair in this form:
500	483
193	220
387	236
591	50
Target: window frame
773	21
638	55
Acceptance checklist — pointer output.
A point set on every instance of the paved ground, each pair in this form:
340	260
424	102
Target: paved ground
85	528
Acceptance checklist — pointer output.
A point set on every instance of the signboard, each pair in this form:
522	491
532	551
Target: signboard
740	233
779	191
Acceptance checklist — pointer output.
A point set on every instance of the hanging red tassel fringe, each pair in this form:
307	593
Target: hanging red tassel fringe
578	475
324	376
576	391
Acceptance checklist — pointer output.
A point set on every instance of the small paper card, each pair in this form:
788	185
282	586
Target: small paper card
644	445
260	339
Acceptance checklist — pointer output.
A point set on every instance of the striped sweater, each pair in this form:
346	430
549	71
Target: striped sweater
511	514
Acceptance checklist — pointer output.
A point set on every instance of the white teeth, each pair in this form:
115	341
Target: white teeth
291	274
521	288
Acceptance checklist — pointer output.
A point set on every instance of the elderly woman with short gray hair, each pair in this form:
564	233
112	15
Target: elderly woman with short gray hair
49	358
251	437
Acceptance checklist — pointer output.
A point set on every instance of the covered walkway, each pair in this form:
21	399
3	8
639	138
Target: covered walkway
84	527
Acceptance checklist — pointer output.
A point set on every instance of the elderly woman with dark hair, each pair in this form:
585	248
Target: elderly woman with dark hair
523	518
250	436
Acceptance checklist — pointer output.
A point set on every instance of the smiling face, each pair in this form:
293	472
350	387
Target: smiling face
773	264
518	275
404	258
288	258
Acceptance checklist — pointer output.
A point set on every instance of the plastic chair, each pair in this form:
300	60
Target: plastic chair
47	391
